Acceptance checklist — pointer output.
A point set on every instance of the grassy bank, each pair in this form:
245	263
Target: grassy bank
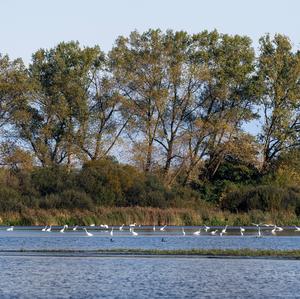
244	252
145	216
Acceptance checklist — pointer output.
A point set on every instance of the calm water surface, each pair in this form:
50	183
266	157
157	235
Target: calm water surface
52	276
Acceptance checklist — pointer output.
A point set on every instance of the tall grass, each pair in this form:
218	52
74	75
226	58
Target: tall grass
145	216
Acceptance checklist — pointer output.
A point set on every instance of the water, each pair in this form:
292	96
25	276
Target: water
33	238
74	276
53	277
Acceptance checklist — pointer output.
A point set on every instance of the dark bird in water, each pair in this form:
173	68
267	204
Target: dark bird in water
111	240
163	240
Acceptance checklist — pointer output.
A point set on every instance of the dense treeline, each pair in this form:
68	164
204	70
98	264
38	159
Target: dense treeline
172	107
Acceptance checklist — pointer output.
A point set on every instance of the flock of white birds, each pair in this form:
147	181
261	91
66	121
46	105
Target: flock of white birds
207	229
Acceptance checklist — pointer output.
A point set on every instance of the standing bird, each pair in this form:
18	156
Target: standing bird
279	229
242	230
75	227
297	229
49	228
183	232
121	227
206	228
87	233
224	230
153	228
214	232
133	232
63	229
132	225
10	229
44	229
112	231
163	228
273	231
259	234
198	232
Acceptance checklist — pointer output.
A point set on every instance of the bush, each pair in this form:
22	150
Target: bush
10	200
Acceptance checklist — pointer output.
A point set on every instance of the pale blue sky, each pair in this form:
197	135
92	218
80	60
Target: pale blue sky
28	25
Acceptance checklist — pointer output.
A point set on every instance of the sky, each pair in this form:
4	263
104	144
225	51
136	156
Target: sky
26	26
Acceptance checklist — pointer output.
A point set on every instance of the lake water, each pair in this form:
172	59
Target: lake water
52	276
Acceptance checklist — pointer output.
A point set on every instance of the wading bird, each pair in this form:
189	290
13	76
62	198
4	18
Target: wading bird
133	232
10	229
153	228
49	228
93	224
198	232
112	231
44	229
242	230
206	228
75	227
63	229
132	225
121	227
214	232
163	228
87	233
273	231
183	232
297	229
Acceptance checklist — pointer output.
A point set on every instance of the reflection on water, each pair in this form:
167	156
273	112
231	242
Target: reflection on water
34	238
54	277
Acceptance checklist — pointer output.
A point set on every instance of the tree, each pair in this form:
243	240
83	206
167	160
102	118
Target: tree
278	82
56	113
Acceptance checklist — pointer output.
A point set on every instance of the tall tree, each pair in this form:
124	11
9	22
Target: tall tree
278	82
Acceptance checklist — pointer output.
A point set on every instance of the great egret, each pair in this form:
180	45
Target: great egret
87	233
224	230
63	229
49	228
297	229
242	230
206	228
163	228
112	231
153	228
273	231
104	225
121	227
10	229
214	232
198	232
44	229
132	225
183	232
279	229
75	227
134	233
259	234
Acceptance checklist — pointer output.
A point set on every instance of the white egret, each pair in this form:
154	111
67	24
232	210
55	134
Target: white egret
163	228
183	232
132	225
198	232
121	227
153	228
10	229
104	225
206	228
63	229
87	233
242	230
214	232
44	229
259	234
273	231
279	229
112	231
297	229
49	228
93	224
134	233
75	227
224	230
